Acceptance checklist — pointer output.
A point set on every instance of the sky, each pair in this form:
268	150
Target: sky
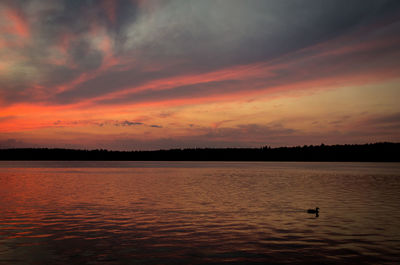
147	75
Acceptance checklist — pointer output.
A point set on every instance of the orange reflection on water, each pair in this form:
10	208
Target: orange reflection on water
219	212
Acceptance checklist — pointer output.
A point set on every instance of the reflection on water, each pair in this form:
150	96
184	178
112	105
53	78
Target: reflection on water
196	213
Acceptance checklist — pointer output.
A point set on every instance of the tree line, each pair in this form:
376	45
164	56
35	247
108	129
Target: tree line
378	152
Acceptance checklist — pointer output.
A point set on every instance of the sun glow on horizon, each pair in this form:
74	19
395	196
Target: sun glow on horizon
94	75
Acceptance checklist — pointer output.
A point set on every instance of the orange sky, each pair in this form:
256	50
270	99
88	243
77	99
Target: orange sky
151	75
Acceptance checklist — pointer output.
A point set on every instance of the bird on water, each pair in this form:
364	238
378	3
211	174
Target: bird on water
316	211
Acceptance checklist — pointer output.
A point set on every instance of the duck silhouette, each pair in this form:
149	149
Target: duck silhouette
316	211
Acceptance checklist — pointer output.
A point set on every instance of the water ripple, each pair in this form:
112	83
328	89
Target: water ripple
243	214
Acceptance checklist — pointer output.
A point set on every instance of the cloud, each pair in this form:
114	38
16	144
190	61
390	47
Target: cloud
389	123
151	40
179	92
238	32
98	122
70	60
133	123
127	123
19	25
386	119
242	135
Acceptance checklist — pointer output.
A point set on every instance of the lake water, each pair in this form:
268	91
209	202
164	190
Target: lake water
199	213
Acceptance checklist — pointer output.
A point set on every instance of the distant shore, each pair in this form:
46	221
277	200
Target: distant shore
376	152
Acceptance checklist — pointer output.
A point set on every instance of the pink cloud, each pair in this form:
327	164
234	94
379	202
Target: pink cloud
19	24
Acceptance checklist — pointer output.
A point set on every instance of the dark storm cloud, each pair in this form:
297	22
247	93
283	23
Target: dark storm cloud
58	17
198	36
171	38
57	74
85	57
54	27
218	33
315	67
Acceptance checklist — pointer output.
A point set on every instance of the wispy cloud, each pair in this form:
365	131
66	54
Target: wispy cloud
63	62
127	123
83	50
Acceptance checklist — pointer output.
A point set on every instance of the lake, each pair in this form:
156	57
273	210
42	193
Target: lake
199	213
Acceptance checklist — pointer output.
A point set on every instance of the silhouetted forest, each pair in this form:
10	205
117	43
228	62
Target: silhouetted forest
379	152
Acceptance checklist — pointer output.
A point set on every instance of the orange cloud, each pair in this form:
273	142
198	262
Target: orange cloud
19	23
131	86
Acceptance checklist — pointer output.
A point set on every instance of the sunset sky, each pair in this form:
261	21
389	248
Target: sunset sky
138	74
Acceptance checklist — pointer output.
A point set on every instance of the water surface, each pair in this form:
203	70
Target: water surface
199	213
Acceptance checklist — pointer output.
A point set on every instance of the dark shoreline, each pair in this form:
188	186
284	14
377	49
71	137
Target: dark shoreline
377	152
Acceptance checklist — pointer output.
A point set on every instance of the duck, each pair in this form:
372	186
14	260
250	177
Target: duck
316	211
